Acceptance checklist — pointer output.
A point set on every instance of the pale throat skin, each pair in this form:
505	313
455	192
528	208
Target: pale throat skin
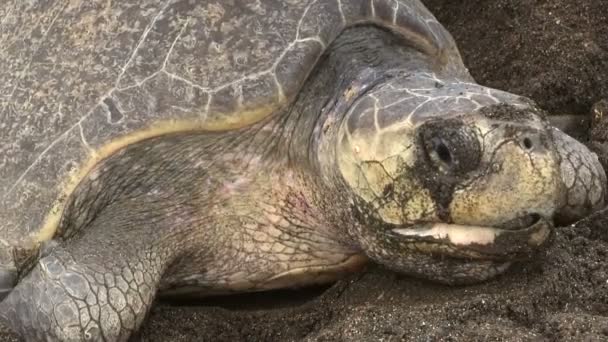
384	155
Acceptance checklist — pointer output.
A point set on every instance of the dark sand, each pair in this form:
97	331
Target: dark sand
555	52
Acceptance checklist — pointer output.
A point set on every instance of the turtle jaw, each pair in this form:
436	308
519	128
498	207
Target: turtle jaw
456	254
505	242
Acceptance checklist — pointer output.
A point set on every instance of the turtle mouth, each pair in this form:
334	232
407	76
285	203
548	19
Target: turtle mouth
518	238
521	222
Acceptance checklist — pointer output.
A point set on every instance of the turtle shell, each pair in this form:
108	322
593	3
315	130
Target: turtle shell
82	79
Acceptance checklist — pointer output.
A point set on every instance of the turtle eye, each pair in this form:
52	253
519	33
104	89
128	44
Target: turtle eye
441	151
450	146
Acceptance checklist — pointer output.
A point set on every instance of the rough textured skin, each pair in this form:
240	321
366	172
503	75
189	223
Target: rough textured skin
383	148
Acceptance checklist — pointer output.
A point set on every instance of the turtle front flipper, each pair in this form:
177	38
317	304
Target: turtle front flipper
99	287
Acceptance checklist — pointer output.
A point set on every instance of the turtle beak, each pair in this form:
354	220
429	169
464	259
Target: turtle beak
8	278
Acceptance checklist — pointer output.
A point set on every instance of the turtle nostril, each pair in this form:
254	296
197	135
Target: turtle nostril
528	143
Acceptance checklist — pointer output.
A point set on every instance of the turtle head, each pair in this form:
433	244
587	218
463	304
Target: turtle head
447	182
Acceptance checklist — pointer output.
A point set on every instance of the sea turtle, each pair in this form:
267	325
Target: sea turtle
180	147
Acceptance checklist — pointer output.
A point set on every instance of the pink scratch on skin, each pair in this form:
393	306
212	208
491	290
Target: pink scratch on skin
295	197
233	187
299	202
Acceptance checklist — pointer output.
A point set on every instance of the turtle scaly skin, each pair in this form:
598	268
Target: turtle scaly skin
249	146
